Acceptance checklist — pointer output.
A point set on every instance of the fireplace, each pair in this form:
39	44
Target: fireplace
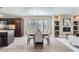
66	29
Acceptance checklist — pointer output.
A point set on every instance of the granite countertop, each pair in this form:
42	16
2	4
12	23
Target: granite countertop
6	30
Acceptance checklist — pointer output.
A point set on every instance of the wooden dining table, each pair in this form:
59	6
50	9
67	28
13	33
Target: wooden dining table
43	35
32	34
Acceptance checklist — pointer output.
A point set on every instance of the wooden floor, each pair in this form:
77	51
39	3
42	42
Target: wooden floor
20	45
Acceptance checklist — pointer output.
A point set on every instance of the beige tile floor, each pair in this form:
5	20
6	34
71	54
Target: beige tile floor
20	45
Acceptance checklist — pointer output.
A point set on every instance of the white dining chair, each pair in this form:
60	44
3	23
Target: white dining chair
47	38
29	38
38	39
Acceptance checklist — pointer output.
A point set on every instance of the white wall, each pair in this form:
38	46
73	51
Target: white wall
30	11
25	25
52	26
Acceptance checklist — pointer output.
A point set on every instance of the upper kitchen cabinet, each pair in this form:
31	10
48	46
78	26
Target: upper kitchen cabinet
18	26
15	24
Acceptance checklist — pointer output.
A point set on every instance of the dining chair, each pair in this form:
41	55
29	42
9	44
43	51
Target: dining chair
29	38
38	39
47	38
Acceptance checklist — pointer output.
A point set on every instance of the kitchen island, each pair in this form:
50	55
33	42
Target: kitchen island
6	37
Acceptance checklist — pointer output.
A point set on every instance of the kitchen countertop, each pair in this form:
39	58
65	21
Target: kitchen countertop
6	30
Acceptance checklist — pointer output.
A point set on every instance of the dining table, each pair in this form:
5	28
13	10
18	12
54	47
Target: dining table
43	35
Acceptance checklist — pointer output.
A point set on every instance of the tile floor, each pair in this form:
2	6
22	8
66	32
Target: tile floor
20	45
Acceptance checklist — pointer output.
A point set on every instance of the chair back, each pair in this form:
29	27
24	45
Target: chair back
38	36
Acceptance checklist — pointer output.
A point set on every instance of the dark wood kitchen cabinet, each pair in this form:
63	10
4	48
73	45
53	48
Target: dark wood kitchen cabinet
18	22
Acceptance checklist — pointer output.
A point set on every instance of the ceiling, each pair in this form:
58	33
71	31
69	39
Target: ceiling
42	11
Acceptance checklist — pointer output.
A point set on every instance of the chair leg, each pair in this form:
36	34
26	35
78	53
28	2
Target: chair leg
41	46
28	40
48	41
34	46
27	43
38	44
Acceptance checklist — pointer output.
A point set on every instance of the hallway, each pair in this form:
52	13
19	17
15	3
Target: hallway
19	45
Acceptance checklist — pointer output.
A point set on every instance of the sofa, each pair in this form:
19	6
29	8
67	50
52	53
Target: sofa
74	40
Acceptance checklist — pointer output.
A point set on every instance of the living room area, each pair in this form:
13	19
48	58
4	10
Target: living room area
39	29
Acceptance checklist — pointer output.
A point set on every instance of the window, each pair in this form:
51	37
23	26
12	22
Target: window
38	23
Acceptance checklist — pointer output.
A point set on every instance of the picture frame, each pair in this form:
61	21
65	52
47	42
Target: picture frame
66	21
